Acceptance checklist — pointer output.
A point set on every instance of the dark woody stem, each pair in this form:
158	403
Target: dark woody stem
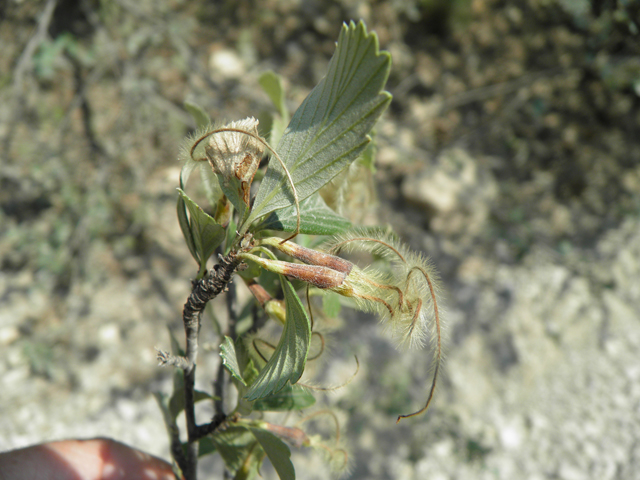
204	290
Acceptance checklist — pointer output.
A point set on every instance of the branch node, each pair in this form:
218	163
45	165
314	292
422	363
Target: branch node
165	358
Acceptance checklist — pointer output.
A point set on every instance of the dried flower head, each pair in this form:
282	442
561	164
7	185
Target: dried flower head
234	152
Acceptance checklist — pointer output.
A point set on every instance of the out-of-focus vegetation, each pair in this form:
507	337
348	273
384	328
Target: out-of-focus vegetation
542	95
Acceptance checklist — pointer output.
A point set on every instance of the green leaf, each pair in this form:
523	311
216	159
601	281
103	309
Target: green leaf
288	360
205	446
210	183
235	445
232	187
230	236
206	232
277	129
163	403
176	402
278	453
176	349
197	112
330	128
250	468
316	218
209	179
249	374
183	220
229	359
271	83
289	398
249	370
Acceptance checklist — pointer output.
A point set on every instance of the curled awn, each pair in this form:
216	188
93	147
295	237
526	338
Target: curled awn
405	298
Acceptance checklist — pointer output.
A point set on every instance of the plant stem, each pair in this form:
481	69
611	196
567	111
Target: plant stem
204	290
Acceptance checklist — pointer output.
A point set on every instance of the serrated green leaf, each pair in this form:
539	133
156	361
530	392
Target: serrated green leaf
201	117
288	360
368	157
206	232
330	128
289	398
229	359
278	453
316	218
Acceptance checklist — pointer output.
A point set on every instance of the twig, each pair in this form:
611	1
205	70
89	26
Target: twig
85	108
174	433
165	358
32	45
23	63
203	291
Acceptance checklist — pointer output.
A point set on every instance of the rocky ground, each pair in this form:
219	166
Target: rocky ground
510	155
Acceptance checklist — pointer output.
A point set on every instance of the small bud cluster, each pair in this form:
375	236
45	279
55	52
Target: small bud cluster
234	152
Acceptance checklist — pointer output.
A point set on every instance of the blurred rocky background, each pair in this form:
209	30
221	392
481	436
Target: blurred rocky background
510	155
